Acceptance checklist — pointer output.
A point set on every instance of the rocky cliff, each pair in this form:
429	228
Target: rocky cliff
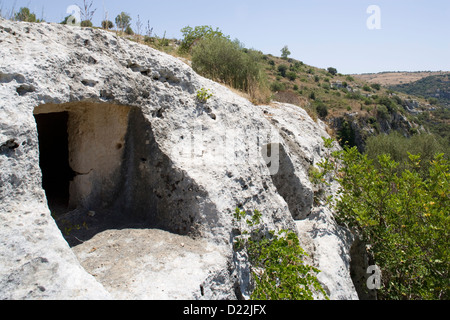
117	182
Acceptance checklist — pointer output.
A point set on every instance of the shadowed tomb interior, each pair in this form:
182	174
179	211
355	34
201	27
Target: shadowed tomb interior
102	169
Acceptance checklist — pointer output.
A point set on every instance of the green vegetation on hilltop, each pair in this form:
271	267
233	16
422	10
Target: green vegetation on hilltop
220	59
26	15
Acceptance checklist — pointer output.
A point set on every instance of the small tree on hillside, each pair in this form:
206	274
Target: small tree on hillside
285	53
123	21
139	26
332	71
25	15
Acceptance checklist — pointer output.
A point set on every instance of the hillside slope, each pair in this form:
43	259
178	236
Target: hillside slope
353	108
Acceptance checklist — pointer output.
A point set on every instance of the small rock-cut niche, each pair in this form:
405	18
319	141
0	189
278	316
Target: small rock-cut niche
288	184
94	176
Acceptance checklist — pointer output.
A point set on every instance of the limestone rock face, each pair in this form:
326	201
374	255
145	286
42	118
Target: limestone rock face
116	182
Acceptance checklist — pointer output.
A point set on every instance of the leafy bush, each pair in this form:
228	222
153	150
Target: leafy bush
332	71
403	217
321	109
291	75
296	67
106	24
282	69
376	86
86	24
277	86
350	79
191	36
129	31
354	96
277	267
25	15
367	88
225	61
382	112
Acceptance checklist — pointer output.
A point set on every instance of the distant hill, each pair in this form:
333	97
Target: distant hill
436	86
397	78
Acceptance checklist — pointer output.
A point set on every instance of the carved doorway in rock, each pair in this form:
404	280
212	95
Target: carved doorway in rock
93	159
54	159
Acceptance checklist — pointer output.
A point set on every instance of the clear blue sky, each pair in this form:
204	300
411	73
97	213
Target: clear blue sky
414	34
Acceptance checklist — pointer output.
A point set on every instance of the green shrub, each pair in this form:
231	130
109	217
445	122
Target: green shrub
350	79
332	71
296	66
433	101
191	36
354	96
282	69
382	112
387	102
376	86
86	24
277	267
403	218
367	88
129	31
321	109
225	61
25	15
291	75
107	25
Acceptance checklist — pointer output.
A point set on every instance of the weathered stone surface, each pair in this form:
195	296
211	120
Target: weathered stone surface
153	168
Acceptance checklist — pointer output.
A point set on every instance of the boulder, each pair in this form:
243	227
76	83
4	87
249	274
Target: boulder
117	182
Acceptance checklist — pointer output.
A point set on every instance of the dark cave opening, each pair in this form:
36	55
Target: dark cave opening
54	159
